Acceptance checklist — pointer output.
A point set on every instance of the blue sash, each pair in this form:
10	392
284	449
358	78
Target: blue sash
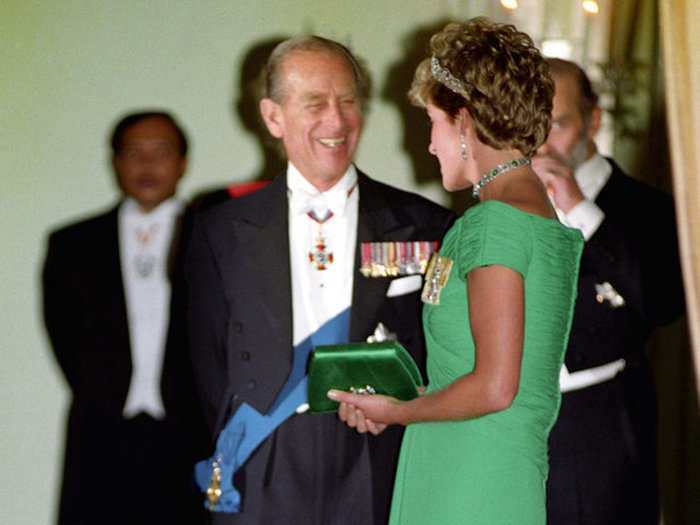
248	428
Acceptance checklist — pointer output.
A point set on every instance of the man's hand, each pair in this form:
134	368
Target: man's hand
559	180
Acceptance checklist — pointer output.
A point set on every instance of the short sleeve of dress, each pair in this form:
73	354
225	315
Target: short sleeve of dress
493	232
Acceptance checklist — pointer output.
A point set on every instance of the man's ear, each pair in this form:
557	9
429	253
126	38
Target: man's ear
183	166
272	116
115	162
594	123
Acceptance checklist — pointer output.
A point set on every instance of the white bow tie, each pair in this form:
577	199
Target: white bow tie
301	202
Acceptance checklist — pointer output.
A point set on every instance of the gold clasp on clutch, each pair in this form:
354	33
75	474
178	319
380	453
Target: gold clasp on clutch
368	390
214	488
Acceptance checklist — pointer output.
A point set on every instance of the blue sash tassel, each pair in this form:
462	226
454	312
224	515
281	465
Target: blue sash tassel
247	429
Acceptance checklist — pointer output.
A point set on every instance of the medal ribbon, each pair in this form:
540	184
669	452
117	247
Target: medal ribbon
393	258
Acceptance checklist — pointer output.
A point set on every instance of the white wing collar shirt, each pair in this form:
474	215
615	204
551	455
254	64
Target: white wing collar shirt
145	240
586	216
322	238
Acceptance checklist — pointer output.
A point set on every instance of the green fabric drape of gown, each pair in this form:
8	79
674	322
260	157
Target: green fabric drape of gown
492	469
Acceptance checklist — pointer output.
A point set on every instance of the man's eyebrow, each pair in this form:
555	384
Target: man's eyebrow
313	97
147	143
319	96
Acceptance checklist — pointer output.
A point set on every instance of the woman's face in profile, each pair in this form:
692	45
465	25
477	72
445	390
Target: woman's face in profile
446	145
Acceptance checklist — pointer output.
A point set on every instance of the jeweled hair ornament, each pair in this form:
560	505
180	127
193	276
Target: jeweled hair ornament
443	75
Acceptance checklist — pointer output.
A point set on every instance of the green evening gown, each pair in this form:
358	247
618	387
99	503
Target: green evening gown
492	469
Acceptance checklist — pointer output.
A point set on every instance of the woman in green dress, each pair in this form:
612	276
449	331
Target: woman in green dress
498	299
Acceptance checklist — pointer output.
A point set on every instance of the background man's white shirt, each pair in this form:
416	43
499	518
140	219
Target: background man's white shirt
586	216
147	296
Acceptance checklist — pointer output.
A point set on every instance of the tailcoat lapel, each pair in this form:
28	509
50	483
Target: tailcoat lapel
376	222
261	244
267	237
108	288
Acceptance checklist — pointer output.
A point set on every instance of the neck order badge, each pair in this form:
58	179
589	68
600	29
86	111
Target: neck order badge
320	256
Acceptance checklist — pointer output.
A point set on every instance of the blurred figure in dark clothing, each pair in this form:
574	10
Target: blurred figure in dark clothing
111	307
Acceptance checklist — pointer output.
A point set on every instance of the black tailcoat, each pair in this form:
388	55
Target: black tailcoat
116	470
240	317
603	445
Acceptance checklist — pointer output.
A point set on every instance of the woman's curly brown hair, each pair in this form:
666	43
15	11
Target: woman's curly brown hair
504	80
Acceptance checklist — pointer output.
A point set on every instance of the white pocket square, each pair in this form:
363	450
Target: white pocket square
404	285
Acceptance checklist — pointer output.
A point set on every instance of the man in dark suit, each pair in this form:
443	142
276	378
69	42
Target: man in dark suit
603	446
267	269
119	339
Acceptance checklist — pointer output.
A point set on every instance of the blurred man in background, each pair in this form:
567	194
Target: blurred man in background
117	333
603	445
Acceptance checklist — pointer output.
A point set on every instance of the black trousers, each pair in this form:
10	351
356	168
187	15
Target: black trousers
136	471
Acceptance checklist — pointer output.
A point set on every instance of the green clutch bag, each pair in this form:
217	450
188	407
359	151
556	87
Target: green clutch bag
385	366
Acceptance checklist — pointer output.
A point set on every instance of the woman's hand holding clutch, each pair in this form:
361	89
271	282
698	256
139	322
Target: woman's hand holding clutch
367	412
355	410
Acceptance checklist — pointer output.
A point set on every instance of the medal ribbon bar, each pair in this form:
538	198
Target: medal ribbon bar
394	258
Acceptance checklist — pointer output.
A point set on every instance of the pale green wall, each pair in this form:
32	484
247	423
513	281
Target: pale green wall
67	70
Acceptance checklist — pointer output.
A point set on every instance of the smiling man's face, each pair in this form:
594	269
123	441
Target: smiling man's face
319	118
